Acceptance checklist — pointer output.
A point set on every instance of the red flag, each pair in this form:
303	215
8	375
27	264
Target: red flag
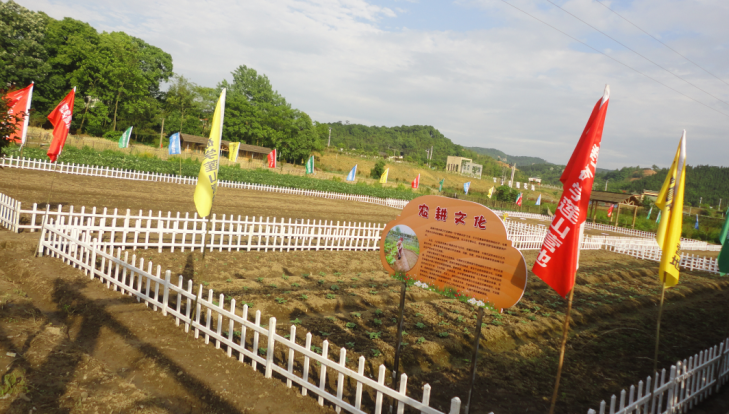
272	159
518	200
20	103
610	210
416	182
61	120
558	259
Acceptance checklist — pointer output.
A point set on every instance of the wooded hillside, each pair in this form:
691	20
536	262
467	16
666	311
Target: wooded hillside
412	141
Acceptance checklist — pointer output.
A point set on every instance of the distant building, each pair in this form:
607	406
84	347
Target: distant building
649	194
535	180
194	143
463	166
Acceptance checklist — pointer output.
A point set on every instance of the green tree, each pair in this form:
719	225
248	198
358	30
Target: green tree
506	193
379	168
181	97
124	74
69	44
23	59
257	114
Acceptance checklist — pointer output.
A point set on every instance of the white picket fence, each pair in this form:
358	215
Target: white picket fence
94	171
231	329
688	261
9	212
622	230
88	170
165	231
689	383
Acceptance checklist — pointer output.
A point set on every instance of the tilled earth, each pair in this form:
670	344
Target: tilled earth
69	345
35	186
79	347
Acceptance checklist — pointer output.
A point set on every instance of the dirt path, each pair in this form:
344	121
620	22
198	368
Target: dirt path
406	262
33	186
80	348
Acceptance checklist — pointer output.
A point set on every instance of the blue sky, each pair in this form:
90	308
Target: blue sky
482	72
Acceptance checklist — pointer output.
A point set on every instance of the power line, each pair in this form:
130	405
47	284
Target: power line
659	41
637	53
615	60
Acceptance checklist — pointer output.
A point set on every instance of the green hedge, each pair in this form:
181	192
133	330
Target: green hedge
191	168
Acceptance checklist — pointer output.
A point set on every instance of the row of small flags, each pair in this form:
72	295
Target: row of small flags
61	117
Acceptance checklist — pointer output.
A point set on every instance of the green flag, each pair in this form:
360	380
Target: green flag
440	190
124	140
310	165
724	254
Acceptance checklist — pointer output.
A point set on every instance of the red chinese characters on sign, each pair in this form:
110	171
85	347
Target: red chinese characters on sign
441	214
460	218
423	211
479	222
558	258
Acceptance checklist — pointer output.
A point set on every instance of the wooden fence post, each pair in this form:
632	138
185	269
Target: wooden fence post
270	346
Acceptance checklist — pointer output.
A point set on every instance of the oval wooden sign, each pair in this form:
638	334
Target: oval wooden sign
458	244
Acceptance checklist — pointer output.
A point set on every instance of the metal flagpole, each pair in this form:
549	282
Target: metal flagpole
474	356
658	325
398	347
565	331
24	137
202	271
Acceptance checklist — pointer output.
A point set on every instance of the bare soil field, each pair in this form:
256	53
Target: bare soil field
82	348
33	187
68	345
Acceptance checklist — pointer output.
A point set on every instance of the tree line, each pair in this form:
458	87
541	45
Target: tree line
412	142
120	78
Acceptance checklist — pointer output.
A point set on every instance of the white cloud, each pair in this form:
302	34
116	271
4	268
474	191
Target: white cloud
515	84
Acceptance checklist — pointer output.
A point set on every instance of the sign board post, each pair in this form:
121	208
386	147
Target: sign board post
454	246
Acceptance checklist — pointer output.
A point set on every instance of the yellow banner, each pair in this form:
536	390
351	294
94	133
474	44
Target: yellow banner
233	149
383	178
670	201
207	179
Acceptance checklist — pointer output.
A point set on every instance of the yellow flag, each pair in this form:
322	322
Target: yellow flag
207	179
491	191
233	149
383	179
670	201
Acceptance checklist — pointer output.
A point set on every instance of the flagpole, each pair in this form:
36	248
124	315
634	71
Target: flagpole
658	326
48	201
565	331
202	271
24	136
398	347
474	356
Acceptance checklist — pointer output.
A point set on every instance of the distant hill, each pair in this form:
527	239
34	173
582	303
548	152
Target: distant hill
411	142
501	156
704	183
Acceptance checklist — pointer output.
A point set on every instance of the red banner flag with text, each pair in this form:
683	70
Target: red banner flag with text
272	159
416	182
61	120
559	257
20	103
610	210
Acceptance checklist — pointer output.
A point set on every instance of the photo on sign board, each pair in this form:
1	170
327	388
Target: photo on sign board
401	248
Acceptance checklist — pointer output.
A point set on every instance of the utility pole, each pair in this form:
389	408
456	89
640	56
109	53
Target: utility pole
719	208
700	199
606	181
330	137
162	133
